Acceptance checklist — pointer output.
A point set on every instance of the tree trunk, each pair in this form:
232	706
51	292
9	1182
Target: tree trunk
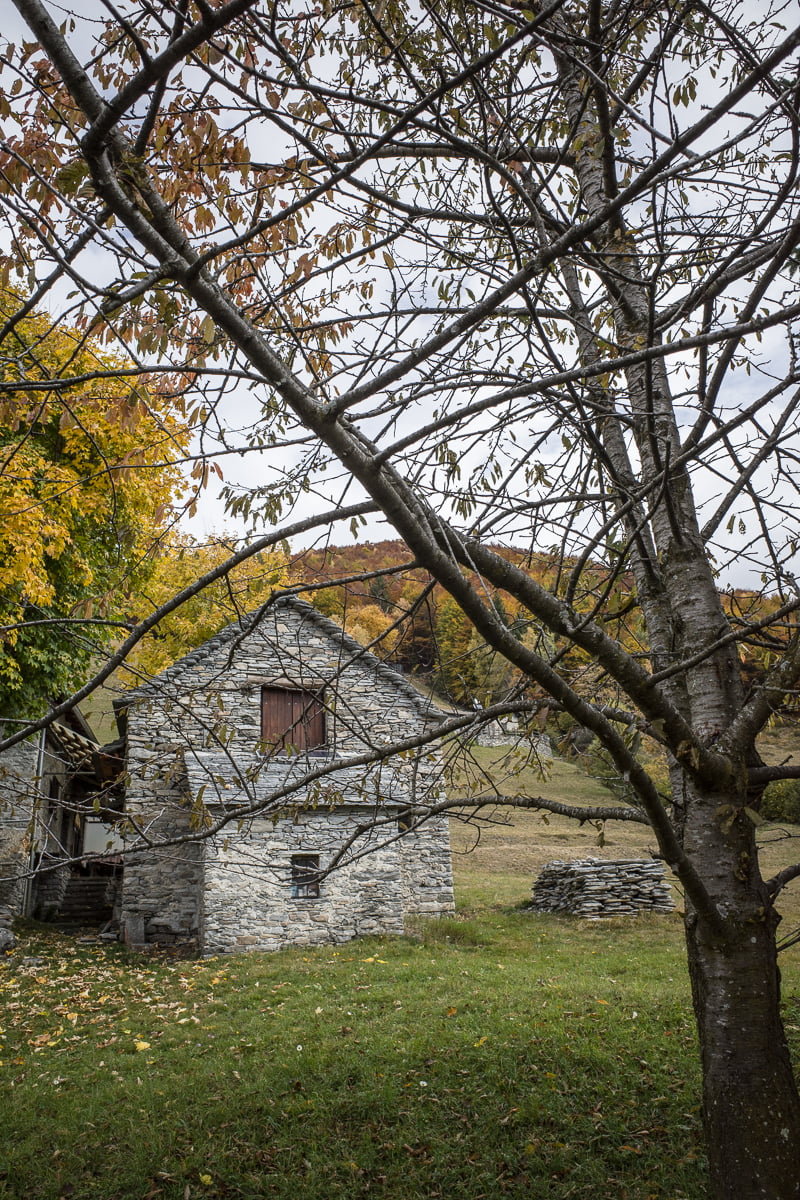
751	1109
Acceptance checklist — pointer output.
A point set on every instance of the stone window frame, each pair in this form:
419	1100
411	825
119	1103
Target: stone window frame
304	881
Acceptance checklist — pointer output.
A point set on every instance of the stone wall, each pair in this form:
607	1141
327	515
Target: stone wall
51	882
427	868
194	753
506	732
7	939
162	889
595	887
248	896
18	768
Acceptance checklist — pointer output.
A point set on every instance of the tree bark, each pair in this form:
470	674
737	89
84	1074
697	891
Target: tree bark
751	1108
751	1112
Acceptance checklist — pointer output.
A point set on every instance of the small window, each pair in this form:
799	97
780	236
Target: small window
304	882
292	719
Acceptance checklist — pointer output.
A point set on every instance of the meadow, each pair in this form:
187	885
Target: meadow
495	1053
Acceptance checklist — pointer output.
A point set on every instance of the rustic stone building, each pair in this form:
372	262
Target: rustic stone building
281	720
58	793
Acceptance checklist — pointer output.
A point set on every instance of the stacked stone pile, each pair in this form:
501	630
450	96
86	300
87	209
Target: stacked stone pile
596	887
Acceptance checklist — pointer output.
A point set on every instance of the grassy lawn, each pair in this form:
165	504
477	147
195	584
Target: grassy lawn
494	1054
486	1057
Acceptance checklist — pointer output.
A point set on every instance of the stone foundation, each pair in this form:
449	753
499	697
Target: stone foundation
17	785
7	939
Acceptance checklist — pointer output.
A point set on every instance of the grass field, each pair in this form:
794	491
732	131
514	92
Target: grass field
493	1054
497	856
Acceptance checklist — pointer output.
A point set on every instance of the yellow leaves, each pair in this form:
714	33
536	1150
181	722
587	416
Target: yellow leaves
370	626
45	1039
85	464
481	1041
36	517
76	437
140	1045
179	562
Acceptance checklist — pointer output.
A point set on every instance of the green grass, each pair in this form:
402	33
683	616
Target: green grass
493	1054
520	1053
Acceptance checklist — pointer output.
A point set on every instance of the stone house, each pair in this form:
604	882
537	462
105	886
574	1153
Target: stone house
59	796
282	724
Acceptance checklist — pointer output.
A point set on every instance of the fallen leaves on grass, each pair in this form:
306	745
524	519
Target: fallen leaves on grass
87	995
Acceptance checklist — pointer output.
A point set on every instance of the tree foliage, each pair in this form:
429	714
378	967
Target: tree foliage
504	275
176	563
87	475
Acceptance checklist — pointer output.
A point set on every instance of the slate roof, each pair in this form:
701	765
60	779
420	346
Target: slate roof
244	625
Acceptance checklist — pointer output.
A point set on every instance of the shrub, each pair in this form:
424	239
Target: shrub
781	801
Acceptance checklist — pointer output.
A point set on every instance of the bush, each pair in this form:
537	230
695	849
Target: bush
781	801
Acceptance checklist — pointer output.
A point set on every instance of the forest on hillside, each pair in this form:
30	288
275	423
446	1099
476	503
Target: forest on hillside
387	603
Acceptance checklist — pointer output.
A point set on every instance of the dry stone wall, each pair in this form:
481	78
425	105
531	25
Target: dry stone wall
7	939
595	888
426	869
248	894
506	732
162	890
